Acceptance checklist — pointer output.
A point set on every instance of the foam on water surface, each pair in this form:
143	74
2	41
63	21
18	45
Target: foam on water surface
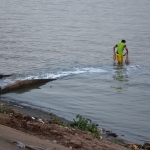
107	71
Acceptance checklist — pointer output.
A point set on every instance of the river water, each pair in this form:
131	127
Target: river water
72	41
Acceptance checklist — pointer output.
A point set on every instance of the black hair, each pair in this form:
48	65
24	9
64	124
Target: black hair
123	41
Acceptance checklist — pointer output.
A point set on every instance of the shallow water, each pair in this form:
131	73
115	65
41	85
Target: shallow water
72	41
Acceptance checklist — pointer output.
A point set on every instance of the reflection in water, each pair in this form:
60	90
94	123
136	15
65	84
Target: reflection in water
117	88
120	73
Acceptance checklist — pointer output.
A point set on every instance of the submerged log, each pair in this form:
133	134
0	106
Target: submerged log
23	84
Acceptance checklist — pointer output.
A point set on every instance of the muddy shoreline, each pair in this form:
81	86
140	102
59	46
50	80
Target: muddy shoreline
33	112
21	119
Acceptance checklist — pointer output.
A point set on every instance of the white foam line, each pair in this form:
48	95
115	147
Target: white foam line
66	73
75	71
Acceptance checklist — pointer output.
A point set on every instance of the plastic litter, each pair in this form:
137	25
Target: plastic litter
21	145
40	120
33	118
101	131
135	146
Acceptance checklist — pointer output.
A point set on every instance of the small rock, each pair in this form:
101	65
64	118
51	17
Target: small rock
54	141
75	143
40	120
112	134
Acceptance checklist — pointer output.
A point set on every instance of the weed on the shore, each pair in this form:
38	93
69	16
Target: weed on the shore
28	132
58	121
5	110
50	113
85	124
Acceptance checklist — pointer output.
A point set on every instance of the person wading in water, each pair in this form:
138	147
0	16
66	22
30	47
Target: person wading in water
119	53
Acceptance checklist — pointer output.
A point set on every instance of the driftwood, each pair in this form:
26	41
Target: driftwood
23	84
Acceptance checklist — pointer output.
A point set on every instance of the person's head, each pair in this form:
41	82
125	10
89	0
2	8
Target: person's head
123	41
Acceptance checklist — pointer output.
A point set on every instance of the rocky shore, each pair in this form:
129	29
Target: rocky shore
33	129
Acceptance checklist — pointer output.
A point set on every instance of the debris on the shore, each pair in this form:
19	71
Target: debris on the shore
112	134
40	120
30	147
146	146
101	131
19	144
135	146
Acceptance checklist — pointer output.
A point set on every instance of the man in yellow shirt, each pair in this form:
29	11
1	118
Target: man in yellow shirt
119	53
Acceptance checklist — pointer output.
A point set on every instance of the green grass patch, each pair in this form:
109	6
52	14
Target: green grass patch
5	110
85	124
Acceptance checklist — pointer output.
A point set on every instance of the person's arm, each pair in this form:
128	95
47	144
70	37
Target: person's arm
126	49
114	48
127	61
114	55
